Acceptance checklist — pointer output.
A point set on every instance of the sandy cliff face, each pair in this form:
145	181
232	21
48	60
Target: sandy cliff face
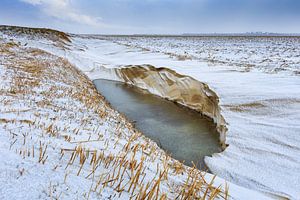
175	87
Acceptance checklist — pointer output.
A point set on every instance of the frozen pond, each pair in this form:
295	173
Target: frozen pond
183	133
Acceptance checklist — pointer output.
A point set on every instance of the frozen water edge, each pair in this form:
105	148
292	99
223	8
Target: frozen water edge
262	152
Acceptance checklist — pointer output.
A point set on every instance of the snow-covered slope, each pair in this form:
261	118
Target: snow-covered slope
261	111
59	139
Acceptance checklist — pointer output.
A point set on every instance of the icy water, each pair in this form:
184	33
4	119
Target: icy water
183	133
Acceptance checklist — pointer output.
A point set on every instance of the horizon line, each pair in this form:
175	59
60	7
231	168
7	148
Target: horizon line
249	33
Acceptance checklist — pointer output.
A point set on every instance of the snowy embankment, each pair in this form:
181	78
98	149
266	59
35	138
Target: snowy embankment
60	139
261	109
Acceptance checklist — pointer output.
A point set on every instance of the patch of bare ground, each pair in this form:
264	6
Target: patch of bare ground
244	107
259	105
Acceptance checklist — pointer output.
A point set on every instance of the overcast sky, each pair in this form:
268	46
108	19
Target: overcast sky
154	16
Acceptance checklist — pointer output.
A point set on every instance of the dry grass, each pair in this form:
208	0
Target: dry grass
45	32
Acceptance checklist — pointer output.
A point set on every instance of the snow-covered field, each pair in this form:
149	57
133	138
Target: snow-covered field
268	54
261	109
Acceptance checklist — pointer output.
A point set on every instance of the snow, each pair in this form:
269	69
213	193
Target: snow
261	109
268	54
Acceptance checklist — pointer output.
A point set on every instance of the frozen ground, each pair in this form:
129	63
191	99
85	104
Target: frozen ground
261	109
